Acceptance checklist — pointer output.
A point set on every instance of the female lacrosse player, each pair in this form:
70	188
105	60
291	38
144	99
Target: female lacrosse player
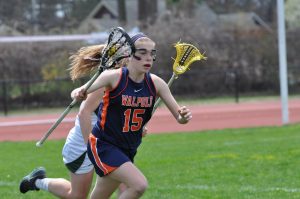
130	93
74	151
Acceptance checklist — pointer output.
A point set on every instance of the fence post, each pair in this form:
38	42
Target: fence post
236	86
4	91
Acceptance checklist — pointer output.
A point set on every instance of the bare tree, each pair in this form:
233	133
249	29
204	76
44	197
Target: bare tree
122	12
187	8
147	12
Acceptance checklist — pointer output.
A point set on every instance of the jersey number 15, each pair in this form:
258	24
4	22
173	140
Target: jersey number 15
136	120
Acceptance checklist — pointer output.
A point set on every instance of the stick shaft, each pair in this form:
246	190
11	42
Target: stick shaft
67	110
170	82
58	121
93	79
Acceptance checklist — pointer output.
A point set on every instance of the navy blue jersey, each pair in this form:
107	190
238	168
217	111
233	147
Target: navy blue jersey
124	111
96	111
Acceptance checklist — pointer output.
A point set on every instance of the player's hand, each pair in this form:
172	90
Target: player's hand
185	115
79	94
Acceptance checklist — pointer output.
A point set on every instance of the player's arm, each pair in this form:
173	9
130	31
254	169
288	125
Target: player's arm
106	79
181	114
86	110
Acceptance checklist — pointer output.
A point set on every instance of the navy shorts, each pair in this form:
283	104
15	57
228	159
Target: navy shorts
106	157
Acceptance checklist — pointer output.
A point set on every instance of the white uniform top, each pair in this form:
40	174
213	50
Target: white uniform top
75	146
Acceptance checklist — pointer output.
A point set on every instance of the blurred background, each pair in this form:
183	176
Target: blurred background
239	37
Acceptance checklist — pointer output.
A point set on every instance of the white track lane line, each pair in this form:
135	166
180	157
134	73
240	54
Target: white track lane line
34	122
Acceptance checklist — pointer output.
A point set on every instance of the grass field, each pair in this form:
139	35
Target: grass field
258	163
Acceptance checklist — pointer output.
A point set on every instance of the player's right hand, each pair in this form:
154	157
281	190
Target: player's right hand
79	94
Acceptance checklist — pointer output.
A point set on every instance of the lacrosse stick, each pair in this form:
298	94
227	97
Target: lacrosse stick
118	46
186	54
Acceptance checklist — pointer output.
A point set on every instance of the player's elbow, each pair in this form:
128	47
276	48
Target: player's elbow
84	113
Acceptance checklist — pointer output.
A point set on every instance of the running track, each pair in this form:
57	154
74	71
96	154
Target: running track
205	117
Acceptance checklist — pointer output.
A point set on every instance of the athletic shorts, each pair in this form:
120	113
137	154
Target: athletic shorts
106	157
77	162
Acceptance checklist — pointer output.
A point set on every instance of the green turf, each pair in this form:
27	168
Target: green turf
258	163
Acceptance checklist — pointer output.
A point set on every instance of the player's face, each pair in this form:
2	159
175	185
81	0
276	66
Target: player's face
145	53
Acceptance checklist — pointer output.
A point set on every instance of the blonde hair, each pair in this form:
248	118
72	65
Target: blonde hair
87	59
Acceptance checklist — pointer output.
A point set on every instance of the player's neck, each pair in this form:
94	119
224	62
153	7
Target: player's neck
136	76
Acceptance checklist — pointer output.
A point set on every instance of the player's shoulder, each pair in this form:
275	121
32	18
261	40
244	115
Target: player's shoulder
155	77
112	72
158	81
112	77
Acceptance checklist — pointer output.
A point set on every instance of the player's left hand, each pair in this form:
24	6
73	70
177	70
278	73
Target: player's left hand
185	115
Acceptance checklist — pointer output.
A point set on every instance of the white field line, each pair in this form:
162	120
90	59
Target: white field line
34	122
241	189
6	184
270	189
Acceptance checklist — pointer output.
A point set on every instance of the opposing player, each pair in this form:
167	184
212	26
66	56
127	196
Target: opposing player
130	93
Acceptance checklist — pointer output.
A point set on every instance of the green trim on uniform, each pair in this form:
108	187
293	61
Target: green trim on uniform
76	164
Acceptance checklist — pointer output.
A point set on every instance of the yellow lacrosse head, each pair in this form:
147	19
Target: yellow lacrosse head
186	54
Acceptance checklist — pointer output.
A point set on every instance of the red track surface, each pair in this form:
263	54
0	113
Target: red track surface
205	117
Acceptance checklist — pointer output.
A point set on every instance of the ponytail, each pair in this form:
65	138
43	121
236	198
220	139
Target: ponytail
85	61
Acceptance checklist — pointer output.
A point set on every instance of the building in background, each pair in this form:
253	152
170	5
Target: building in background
105	15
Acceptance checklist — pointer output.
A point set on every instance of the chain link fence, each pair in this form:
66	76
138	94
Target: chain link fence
194	84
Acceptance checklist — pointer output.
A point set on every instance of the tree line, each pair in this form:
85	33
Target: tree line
64	16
